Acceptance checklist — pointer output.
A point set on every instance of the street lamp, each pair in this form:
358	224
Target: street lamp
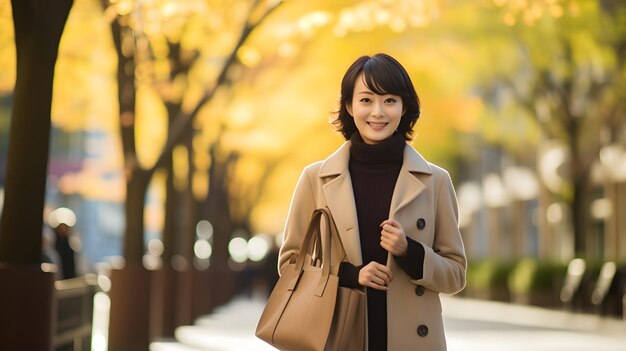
495	197
470	200
551	161
613	160
522	186
613	166
494	191
521	183
203	245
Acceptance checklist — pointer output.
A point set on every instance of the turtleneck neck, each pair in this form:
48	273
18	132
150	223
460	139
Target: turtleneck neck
388	151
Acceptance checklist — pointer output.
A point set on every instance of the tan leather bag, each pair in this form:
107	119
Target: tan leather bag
348	330
306	309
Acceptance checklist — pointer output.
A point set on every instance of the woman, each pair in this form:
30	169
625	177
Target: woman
396	213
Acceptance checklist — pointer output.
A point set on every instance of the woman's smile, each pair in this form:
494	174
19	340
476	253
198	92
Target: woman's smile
378	126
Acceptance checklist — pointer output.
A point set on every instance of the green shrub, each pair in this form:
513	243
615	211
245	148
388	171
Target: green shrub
529	275
488	280
489	274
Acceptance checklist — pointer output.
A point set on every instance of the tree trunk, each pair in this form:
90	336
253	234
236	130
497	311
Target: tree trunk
579	175
129	316
136	188
38	28
129	326
27	306
218	212
164	299
130	285
580	215
169	280
186	237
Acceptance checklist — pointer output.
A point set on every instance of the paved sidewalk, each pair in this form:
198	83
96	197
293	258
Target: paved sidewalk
471	325
229	328
490	326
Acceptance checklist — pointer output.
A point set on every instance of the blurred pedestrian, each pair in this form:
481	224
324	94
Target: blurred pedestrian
396	213
66	253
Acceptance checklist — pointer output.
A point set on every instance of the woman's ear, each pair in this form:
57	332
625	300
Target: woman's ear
349	108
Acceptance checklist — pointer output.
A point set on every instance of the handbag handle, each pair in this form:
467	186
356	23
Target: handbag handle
334	234
313	238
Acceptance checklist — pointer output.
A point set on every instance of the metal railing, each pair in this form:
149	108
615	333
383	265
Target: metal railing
73	301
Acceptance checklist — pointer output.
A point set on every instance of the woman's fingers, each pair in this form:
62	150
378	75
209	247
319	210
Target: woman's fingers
375	275
390	223
387	271
383	276
387	240
392	237
379	280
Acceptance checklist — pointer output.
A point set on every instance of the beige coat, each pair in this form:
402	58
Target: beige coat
424	202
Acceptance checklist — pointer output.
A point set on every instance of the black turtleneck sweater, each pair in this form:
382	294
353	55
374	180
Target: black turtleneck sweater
374	170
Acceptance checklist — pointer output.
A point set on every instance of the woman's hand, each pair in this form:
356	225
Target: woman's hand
375	275
392	237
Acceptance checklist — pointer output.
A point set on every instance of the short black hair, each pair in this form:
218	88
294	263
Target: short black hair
383	75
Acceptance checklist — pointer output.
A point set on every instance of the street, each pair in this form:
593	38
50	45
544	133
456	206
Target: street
470	325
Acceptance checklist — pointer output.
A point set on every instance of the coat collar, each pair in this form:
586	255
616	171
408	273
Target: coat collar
337	163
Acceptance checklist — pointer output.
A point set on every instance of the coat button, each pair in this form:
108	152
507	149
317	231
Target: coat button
422	330
421	223
419	290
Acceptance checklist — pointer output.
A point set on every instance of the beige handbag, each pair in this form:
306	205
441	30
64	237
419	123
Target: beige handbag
306	309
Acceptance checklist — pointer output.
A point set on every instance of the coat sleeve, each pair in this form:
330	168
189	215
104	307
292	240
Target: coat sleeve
445	263
298	217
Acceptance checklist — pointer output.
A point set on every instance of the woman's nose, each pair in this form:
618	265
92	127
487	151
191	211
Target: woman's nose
377	110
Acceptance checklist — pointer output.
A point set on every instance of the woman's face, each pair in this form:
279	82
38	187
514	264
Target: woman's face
375	116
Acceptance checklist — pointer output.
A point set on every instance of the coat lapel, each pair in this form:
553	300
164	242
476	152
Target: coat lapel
408	186
338	192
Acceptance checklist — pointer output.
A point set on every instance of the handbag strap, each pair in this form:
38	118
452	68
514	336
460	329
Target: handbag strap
311	239
334	232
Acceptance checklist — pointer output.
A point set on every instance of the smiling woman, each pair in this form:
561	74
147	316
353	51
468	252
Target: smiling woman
396	213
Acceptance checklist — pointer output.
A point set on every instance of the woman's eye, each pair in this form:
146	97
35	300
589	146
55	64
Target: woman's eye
390	101
365	100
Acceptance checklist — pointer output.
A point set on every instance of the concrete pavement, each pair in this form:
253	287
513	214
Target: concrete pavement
490	326
470	325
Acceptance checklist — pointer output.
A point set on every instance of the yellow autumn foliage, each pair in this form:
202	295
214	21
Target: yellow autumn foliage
275	110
